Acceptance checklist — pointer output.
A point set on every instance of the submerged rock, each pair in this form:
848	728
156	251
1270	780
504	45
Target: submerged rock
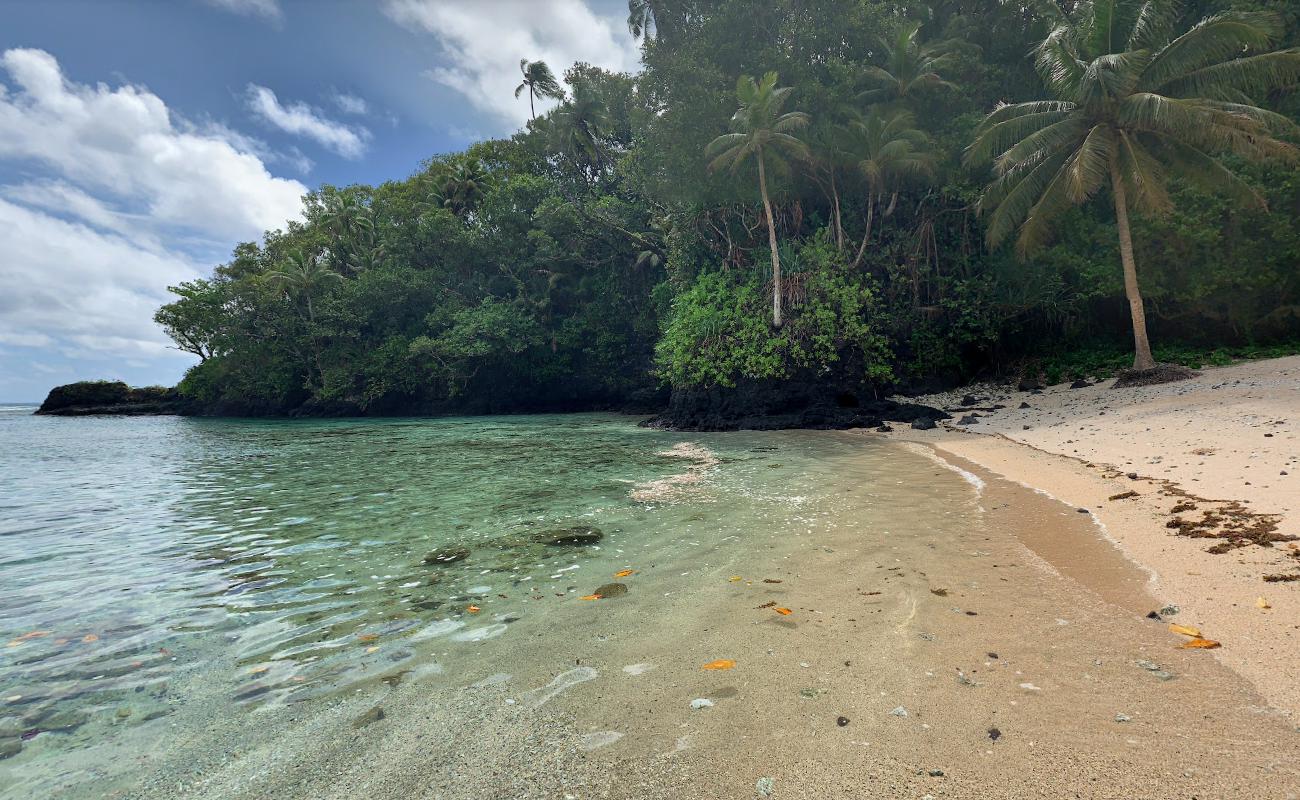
370	717
10	748
611	590
447	555
575	535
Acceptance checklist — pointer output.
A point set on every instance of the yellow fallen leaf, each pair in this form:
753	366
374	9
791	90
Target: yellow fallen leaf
785	612
721	663
1185	630
1199	644
259	670
372	649
473	609
734	578
1262	603
624	573
590	597
90	637
368	637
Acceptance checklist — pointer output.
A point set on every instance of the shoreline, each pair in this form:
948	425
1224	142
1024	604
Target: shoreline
1182	441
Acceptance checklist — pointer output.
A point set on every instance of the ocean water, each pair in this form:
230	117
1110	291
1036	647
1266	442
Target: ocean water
149	566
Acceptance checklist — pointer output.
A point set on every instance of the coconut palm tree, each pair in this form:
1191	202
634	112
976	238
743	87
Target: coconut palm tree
539	81
579	124
761	130
911	67
1132	105
303	275
888	150
351	227
463	185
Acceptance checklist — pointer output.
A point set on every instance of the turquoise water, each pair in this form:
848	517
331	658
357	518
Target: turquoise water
148	564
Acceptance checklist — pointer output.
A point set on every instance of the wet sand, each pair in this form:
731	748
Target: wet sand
978	640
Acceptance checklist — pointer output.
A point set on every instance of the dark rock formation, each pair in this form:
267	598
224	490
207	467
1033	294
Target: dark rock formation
775	405
112	397
1160	373
576	535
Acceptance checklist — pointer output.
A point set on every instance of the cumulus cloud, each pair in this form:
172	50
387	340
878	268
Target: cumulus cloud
120	198
301	119
266	9
483	43
350	103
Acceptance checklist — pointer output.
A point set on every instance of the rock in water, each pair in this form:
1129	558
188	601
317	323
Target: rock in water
575	535
372	716
611	590
447	555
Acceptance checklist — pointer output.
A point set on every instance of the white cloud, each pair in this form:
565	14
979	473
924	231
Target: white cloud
267	9
350	103
124	198
301	119
124	143
483	41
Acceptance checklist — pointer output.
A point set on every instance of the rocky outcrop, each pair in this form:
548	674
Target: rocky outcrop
774	405
89	398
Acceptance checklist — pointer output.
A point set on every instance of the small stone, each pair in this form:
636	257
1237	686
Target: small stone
1147	665
936	773
370	717
447	555
841	721
701	702
1162	675
575	535
995	734
611	590
1123	718
923	424
1132	476
1024	405
1169	611
1082	510
765	787
969	419
899	712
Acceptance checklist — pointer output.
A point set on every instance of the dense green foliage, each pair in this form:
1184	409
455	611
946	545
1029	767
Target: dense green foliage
595	255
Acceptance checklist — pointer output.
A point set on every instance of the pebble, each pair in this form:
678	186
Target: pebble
899	712
765	787
1123	718
841	721
701	702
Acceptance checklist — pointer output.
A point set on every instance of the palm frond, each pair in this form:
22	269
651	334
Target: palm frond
1250	75
1091	164
1064	135
1209	42
1002	136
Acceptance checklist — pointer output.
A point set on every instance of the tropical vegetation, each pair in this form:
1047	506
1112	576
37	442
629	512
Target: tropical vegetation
878	193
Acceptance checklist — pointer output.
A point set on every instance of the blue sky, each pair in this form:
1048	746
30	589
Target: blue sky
139	141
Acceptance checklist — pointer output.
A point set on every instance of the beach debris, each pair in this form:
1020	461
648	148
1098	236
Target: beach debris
701	702
1029	687
899	712
992	655
447	555
94	637
473	609
768	604
995	734
734	579
841	721
1123	718
573	535
939	592
258	670
785	612
623	573
1261	603
1185	630
719	664
1285	578
1199	644
1169	611
1123	495
369	718
590	597
765	786
372	649
771	580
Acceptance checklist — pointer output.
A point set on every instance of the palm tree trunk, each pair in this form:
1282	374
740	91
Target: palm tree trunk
531	109
1142	358
839	219
871	210
771	240
315	343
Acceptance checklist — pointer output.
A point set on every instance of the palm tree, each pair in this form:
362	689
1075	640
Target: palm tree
350	224
539	81
579	124
762	131
888	150
911	66
1133	105
463	185
302	275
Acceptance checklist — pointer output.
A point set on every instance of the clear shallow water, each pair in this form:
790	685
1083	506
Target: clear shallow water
147	564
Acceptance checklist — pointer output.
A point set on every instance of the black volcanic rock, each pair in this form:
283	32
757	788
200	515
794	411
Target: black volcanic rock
89	398
776	405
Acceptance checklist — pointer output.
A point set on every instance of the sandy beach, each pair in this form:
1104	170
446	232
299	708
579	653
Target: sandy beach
1229	435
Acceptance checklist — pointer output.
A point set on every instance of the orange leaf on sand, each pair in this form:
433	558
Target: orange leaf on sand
785	612
372	649
259	670
473	609
1185	630
721	663
590	597
1199	644
368	637
1262	603
624	573
27	637
90	637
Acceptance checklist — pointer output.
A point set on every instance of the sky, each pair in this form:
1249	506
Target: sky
140	141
